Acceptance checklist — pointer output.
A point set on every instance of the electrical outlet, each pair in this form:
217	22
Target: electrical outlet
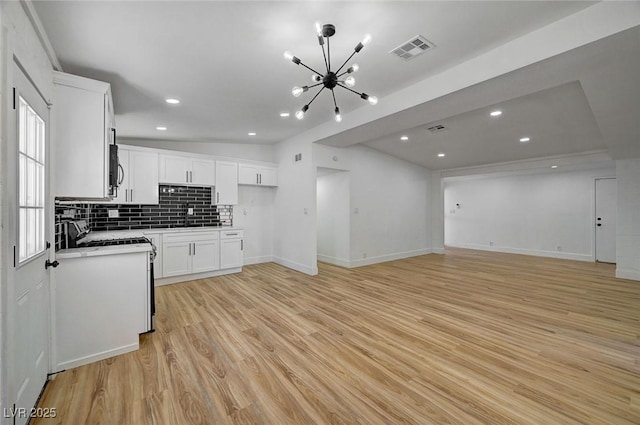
189	211
114	214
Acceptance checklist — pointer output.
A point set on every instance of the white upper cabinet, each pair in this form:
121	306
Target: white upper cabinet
83	127
138	177
257	175
226	190
176	169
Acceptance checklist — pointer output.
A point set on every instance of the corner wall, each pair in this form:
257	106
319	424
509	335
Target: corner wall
628	219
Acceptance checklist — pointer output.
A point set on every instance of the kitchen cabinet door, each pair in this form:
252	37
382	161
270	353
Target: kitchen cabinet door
81	120
248	174
174	169
123	178
143	181
231	253
176	258
203	172
205	256
268	176
226	190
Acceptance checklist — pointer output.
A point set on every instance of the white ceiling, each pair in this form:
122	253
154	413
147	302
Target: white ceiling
224	61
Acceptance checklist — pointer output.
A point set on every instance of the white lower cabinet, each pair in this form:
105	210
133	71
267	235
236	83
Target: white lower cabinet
231	249
190	252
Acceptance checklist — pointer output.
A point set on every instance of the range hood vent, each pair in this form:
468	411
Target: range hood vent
412	48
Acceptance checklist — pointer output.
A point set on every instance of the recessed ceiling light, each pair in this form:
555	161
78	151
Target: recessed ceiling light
525	139
404	138
161	128
172	101
554	166
441	155
252	134
495	113
285	114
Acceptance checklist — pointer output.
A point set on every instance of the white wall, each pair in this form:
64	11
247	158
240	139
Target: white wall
628	219
295	208
255	215
253	152
333	191
390	211
549	214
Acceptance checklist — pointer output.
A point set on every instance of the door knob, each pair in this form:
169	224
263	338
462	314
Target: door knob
48	264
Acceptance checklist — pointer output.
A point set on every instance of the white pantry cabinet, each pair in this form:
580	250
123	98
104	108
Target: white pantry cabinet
138	177
190	252
83	125
226	192
257	175
176	169
231	249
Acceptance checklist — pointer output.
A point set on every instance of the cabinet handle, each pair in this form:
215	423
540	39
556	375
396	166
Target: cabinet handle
231	234
217	197
194	248
131	195
241	244
186	176
260	178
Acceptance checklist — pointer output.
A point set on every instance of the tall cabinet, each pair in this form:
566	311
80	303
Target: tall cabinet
83	125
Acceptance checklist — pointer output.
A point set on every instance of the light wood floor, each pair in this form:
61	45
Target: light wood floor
465	338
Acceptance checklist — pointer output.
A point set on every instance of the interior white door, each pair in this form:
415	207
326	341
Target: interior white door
28	316
606	209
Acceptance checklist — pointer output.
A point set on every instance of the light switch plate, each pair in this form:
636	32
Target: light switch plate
114	214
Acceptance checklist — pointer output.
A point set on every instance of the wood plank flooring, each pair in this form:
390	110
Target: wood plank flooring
464	338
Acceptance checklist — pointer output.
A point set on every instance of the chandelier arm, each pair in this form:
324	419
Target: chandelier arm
334	98
345	62
314	97
326	64
329	54
353	91
311	69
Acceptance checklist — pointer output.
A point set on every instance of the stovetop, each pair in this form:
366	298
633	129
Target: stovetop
112	242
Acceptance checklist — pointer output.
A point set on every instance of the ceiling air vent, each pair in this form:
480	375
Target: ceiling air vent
437	128
412	48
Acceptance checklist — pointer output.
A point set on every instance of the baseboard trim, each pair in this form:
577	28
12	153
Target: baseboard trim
627	274
195	276
533	252
389	257
302	268
81	361
258	260
334	261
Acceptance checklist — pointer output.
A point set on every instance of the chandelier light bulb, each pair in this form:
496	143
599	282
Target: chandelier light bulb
318	26
350	81
316	78
297	91
288	55
338	116
299	115
373	100
353	68
366	39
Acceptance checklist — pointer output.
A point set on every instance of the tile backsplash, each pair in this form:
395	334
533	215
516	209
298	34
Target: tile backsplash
171	211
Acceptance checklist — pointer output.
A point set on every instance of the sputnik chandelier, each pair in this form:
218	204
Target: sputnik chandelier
329	79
